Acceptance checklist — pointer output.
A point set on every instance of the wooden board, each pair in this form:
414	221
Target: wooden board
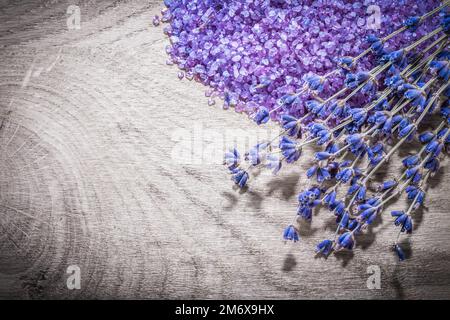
110	163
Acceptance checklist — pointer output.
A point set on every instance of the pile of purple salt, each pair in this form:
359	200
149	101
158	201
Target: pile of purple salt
406	88
252	53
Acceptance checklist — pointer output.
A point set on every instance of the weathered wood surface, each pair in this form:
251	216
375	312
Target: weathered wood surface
90	127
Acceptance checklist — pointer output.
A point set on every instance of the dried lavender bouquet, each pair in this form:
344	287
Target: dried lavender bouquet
362	113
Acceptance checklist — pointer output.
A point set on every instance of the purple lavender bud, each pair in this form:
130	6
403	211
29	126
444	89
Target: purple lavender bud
262	116
240	178
426	136
346	241
290	234
412	23
289	149
232	158
398	250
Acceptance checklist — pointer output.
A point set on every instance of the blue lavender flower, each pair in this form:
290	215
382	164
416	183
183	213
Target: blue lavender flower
231	159
359	115
321	174
289	149
432	165
344	219
375	159
262	116
417	97
332	147
390	123
354	139
371	38
405	86
356	143
441	68
339	208
378	118
396	57
359	189
445	112
305	211
352	80
361	193
314	82
438	150
308	200
376	45
311	171
330	199
310	195
374	201
404	123
377	148
411	161
290	234
398	250
387	185
408	131
364	206
352	224
287	100
322	155
292	125
273	162
414	173
345	175
240	177
387	127
375	153
412	191
371	218
346	63
426	136
443	55
337	110
419	199
362	76
394	82
325	136
263	84
446	22
353	188
325	247
332	105
367	212
412	23
314	106
432	146
404	220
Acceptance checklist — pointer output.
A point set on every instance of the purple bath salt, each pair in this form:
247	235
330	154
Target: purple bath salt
252	53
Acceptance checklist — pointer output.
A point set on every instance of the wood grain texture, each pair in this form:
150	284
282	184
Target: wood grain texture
107	163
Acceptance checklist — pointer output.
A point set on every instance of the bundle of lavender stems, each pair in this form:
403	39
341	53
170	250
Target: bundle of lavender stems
360	107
